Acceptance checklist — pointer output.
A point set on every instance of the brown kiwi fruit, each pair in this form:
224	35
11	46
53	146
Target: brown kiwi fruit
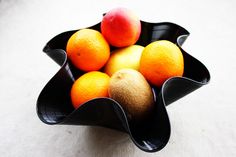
131	90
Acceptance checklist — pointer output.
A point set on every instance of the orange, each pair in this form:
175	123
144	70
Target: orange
88	50
161	60
88	86
127	57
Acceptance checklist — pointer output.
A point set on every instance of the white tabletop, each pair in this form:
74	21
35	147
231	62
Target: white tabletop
203	123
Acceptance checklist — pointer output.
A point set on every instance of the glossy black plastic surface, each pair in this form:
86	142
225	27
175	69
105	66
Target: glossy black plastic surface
54	104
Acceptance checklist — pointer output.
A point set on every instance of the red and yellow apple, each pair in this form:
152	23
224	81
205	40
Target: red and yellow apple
121	27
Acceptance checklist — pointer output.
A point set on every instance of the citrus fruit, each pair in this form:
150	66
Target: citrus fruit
161	60
88	50
88	86
132	91
128	57
121	27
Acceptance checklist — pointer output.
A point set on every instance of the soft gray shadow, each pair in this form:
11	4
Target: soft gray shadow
103	142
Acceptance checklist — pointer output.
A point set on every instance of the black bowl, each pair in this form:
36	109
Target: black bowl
54	104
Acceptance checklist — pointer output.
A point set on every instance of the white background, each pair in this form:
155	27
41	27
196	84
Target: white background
203	123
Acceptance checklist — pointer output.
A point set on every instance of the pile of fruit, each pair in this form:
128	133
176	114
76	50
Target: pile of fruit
127	73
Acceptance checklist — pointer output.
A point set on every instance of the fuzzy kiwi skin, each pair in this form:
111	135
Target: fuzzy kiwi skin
131	90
